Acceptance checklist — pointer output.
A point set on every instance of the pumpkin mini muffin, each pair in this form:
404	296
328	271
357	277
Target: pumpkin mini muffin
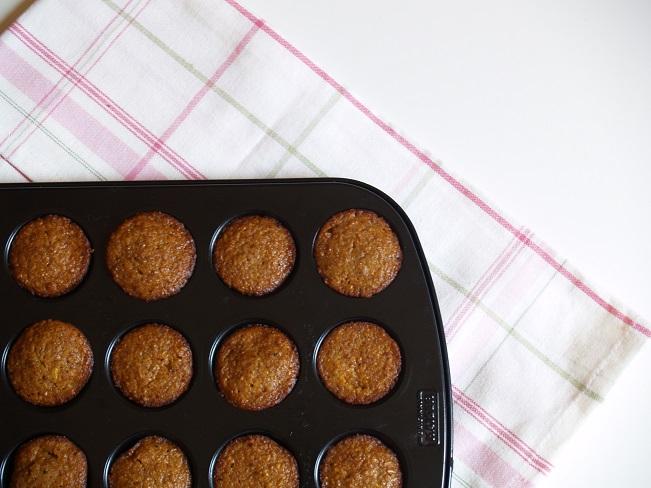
49	363
152	365
151	255
49	256
49	461
256	367
359	362
254	254
255	461
153	462
360	461
357	253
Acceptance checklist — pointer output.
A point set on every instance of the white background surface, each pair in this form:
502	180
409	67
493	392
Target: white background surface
545	107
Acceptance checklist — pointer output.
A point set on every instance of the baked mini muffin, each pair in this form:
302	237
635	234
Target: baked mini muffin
50	461
254	254
255	461
360	461
151	255
153	462
357	253
152	365
359	362
256	367
49	363
49	256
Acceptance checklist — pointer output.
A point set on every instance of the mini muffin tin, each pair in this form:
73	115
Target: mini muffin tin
414	419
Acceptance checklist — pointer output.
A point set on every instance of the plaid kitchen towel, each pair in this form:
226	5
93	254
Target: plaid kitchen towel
155	89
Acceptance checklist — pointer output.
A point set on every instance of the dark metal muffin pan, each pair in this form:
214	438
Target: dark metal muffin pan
414	420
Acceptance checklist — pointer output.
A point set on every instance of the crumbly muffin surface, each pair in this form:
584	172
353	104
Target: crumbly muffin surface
256	367
153	462
255	461
151	255
49	256
254	254
360	461
49	462
152	365
49	363
359	362
357	253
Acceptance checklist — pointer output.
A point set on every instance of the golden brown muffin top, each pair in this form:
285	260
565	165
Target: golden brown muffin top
255	461
153	462
151	255
152	365
49	462
357	253
50	362
254	254
359	362
360	461
256	367
49	256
